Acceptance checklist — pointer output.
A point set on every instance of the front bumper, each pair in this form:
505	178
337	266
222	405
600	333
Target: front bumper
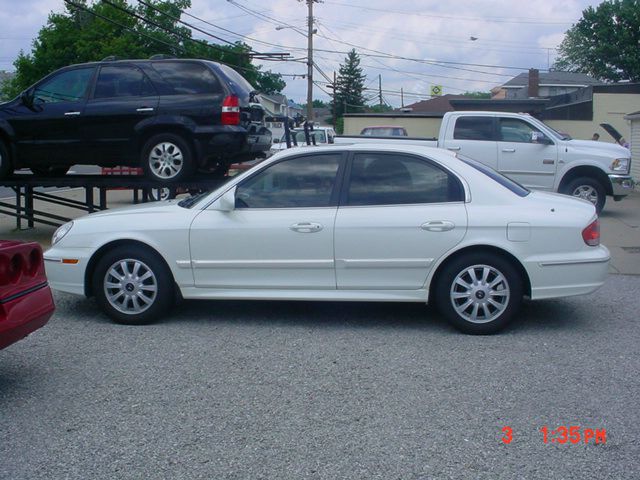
621	185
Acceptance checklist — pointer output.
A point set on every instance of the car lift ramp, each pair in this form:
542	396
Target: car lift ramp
29	188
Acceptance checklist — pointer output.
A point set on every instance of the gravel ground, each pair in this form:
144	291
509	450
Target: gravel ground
259	390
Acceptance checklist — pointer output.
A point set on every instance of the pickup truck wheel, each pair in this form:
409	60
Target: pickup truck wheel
588	189
133	286
6	167
167	158
479	293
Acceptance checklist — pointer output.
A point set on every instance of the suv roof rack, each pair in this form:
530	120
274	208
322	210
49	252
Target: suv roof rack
161	56
110	58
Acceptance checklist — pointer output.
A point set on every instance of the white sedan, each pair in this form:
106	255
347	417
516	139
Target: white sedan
350	222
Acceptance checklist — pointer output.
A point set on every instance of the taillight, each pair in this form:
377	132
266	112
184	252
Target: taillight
591	234
231	110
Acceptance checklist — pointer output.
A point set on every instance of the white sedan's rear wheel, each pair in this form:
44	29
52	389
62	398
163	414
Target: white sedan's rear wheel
132	285
479	293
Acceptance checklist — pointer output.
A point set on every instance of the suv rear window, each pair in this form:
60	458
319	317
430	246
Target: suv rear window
188	78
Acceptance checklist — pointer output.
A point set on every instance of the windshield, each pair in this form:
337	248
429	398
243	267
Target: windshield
506	182
192	200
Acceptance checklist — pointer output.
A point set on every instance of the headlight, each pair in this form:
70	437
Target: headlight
620	165
61	232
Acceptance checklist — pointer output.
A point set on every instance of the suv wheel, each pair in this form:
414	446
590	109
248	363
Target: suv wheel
479	293
167	158
6	167
588	189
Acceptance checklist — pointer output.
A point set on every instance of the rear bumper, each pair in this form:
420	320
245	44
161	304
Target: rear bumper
579	274
621	185
234	143
24	314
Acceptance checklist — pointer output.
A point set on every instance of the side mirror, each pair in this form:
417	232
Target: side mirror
227	202
539	137
27	98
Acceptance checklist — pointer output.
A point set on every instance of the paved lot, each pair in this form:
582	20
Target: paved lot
232	390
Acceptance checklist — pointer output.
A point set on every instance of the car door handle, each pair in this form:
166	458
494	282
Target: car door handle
438	226
453	148
509	150
548	162
144	109
306	227
71	114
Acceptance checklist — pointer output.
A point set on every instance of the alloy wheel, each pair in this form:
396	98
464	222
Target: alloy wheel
130	286
480	293
166	160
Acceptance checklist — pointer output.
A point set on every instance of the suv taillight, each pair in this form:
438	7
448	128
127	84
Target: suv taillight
231	110
591	234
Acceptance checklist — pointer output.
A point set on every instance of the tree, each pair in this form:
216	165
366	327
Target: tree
102	30
477	94
350	86
604	42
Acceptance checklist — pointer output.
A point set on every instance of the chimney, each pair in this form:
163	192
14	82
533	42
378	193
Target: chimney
534	82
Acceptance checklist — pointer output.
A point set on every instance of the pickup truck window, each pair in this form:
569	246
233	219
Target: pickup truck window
388	179
474	128
515	130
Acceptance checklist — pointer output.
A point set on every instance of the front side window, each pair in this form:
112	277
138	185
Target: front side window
188	78
122	81
515	130
474	128
300	182
388	179
69	86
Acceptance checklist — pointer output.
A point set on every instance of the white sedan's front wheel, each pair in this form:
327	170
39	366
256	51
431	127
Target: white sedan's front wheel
132	285
479	293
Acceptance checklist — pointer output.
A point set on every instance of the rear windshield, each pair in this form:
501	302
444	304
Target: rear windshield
506	182
188	78
236	78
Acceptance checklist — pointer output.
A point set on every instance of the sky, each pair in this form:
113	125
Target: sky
461	45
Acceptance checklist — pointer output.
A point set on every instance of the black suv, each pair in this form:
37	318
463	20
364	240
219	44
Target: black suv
168	116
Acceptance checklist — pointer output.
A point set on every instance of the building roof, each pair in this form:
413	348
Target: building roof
552	78
435	104
276	98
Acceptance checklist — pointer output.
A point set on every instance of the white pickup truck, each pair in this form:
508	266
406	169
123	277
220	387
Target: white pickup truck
531	153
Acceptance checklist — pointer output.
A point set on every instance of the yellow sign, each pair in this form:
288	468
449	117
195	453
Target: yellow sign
436	90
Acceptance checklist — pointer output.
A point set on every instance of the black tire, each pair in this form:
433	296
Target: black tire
6	165
50	171
507	293
589	189
133	284
162	193
167	158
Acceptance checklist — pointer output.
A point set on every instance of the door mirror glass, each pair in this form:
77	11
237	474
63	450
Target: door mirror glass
227	202
539	137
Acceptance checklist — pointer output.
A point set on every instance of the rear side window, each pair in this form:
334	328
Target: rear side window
474	128
388	179
187	78
122	81
515	187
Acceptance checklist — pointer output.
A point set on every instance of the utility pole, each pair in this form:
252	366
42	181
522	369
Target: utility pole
310	60
401	97
380	88
335	105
